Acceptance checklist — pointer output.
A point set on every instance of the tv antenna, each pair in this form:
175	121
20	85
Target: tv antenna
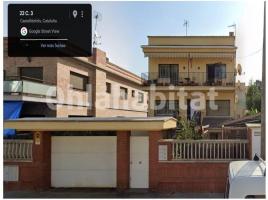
186	24
233	26
96	38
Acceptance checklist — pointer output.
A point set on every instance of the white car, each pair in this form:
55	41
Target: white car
246	179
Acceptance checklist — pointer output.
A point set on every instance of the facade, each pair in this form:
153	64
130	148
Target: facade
75	86
123	153
194	64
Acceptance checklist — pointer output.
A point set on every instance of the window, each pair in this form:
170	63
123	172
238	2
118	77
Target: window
108	87
133	93
31	73
11	173
169	71
123	93
140	97
216	72
78	81
169	107
222	110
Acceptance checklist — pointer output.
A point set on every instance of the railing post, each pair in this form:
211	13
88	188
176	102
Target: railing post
173	143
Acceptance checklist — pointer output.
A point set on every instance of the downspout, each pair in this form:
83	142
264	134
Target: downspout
263	128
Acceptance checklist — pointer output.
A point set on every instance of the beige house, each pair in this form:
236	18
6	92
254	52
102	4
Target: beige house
72	86
193	64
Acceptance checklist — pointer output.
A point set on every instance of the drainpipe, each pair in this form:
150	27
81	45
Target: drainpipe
188	66
263	128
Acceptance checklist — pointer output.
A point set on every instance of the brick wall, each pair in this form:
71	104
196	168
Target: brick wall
123	159
164	176
35	175
171	176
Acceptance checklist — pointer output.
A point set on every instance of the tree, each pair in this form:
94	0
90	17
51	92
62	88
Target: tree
253	97
186	130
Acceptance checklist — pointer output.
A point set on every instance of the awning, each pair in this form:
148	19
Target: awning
92	124
12	110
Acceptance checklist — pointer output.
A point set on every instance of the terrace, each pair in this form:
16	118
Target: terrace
15	85
188	79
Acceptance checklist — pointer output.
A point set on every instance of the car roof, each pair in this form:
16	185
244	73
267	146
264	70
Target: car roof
246	169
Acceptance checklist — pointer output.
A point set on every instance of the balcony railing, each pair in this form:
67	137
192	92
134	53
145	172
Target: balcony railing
29	87
209	149
18	150
189	79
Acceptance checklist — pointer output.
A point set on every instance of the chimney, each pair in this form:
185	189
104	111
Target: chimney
231	33
99	57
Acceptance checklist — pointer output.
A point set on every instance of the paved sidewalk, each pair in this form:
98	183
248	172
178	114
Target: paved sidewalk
105	193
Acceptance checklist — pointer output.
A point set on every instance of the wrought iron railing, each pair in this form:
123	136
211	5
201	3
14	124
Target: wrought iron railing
189	79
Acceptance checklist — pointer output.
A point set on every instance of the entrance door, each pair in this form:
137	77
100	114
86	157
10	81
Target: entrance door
139	162
190	110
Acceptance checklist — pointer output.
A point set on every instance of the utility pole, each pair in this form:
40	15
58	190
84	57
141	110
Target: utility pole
263	111
186	24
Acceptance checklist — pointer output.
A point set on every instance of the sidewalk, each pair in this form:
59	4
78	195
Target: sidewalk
105	193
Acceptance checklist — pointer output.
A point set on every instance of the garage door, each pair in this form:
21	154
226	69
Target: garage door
83	161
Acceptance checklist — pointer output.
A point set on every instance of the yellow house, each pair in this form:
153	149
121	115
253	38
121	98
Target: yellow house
187	74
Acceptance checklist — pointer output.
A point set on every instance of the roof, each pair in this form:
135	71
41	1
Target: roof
215	122
92	124
192	40
189	46
110	67
246	169
190	36
254	125
241	122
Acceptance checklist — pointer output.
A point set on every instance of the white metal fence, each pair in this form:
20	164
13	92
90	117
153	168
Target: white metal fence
209	149
18	150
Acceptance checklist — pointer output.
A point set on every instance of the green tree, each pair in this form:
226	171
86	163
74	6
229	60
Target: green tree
253	97
186	130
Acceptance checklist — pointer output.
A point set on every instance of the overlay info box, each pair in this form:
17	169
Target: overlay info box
49	30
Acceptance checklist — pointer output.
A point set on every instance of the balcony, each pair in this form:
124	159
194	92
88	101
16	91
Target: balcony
189	79
16	85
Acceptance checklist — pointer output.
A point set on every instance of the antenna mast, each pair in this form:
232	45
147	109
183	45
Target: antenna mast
233	26
186	24
96	38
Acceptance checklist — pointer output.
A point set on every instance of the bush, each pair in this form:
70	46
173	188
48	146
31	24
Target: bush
186	130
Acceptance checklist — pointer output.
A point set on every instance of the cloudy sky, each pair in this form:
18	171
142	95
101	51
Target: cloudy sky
125	26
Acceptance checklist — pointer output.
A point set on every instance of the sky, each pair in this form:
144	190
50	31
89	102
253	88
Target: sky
124	27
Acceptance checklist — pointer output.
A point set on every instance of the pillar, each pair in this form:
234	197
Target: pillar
123	160
154	137
42	159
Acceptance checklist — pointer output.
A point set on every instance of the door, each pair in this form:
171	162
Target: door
170	71
83	161
216	72
139	162
256	142
190	110
210	73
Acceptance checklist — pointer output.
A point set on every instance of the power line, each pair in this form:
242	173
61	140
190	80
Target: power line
251	54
